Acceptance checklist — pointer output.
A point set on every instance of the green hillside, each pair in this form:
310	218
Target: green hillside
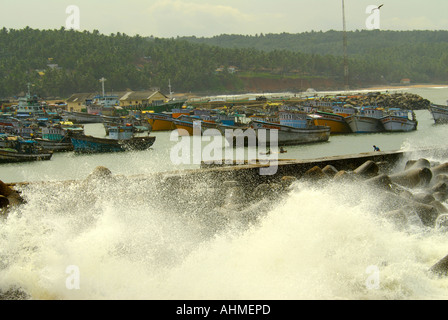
62	62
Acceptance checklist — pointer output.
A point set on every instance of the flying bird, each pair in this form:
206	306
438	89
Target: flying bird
378	7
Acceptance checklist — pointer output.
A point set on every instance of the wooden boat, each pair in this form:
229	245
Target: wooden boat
17	149
138	125
439	113
398	120
367	120
56	137
161	121
288	135
81	117
345	110
186	127
335	121
30	106
121	138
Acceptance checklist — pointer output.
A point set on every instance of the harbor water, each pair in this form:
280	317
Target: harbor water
131	241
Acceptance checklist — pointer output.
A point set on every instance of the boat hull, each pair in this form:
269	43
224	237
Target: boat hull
337	123
362	124
161	124
290	135
55	146
90	144
82	117
9	156
398	124
439	114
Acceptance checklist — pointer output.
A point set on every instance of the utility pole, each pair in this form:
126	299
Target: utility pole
346	75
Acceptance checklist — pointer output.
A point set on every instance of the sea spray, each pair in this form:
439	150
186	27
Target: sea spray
135	239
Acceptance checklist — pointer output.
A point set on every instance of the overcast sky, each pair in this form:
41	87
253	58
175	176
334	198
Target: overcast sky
171	18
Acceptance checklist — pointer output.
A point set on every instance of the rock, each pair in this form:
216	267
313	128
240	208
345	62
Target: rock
442	223
314	173
100	172
417	164
422	197
368	169
4	202
427	213
440	196
413	178
440	169
5	190
440	178
343	175
382	181
398	218
440	187
441	267
330	170
439	206
287	181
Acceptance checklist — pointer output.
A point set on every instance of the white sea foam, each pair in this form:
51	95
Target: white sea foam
130	241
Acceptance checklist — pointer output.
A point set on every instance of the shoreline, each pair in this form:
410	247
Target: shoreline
414	86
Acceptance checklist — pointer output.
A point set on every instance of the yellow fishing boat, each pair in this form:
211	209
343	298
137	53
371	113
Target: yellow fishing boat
161	121
336	122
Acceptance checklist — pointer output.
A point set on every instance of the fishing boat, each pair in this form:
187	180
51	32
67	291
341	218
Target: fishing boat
335	121
366	120
186	125
121	138
399	120
288	135
345	110
56	137
30	106
138	125
439	113
161	121
81	117
17	149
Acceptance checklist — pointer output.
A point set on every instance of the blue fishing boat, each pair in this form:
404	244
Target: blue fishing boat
121	138
17	149
56	137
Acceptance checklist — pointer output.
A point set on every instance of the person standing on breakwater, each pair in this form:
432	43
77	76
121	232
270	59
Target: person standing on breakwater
375	148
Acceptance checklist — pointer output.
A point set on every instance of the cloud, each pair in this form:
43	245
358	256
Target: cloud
175	17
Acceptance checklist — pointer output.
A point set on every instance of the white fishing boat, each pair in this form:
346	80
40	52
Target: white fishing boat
81	117
288	135
366	120
30	106
439	113
399	120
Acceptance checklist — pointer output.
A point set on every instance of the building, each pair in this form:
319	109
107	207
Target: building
143	98
79	101
405	81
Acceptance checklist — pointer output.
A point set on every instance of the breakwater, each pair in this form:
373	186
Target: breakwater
409	189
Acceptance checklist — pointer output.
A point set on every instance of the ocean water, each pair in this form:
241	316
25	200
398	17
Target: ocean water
131	238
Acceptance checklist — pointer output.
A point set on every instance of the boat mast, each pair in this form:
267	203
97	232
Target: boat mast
347	87
102	80
171	93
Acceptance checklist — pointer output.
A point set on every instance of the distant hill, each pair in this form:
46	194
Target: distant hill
62	62
389	56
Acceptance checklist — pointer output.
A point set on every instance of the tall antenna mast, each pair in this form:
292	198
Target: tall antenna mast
347	87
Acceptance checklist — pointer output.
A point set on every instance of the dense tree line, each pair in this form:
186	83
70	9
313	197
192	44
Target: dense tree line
190	64
375	56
